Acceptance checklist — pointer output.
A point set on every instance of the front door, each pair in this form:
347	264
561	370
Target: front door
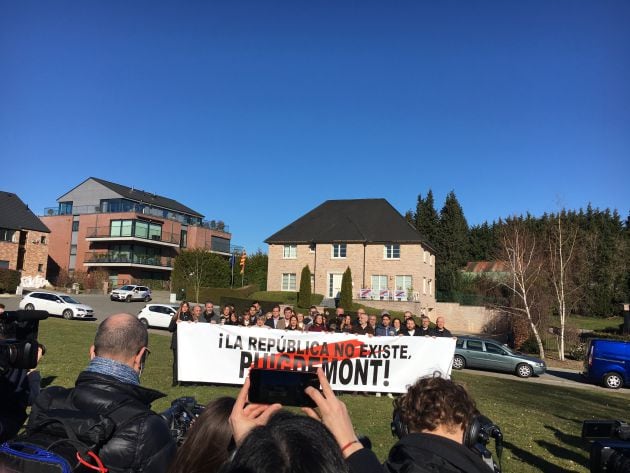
334	284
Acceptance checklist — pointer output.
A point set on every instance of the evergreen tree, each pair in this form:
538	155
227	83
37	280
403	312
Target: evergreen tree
345	299
304	296
255	270
451	245
427	221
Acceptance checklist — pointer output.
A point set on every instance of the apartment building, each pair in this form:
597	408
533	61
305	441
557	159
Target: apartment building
23	238
129	233
388	258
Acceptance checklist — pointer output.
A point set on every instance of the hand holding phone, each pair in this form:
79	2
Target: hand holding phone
282	387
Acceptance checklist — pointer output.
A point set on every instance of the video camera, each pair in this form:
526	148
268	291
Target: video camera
477	437
18	338
180	417
610	450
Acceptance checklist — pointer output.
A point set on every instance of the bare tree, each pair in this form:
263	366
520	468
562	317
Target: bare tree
193	266
522	258
561	253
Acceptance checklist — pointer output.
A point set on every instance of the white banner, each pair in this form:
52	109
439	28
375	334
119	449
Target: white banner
214	353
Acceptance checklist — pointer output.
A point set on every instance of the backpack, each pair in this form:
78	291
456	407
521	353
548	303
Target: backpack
72	444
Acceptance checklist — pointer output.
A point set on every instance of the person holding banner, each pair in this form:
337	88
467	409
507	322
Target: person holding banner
183	314
410	329
293	324
318	324
440	330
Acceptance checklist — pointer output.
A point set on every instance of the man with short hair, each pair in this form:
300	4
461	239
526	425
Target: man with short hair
385	329
425	327
209	315
362	328
197	313
108	388
276	321
407	315
372	322
256	305
410	329
440	330
288	312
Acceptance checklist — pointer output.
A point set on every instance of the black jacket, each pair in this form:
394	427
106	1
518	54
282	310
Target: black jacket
172	326
428	453
141	443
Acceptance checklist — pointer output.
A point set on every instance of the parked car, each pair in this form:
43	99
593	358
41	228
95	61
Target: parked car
490	355
607	362
130	293
56	304
157	315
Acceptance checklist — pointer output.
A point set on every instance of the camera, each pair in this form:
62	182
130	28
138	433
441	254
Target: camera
180	417
18	346
610	450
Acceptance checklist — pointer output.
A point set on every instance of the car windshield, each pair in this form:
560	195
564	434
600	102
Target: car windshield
126	288
69	300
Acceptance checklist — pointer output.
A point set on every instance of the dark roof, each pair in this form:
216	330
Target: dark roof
15	214
486	267
146	197
358	220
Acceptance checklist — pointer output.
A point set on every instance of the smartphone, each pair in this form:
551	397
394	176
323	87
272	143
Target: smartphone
281	386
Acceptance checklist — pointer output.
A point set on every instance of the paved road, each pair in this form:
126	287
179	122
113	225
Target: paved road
103	307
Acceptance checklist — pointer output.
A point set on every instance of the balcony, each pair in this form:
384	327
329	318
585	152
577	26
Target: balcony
136	260
104	234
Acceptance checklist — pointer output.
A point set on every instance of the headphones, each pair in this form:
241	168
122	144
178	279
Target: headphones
471	434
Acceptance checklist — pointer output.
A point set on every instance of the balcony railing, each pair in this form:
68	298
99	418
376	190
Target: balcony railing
125	259
217	225
105	233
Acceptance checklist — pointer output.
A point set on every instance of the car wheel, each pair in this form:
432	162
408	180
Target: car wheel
144	322
459	362
128	298
29	307
67	314
147	298
613	381
524	370
112	298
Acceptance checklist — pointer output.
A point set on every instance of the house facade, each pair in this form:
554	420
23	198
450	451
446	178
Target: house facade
24	239
128	233
388	258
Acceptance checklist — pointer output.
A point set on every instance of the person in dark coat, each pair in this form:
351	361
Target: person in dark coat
183	314
440	330
141	441
410	328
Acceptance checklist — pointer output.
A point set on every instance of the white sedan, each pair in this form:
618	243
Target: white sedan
157	315
56	304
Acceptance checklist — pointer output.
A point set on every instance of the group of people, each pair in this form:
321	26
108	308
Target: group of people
313	321
232	435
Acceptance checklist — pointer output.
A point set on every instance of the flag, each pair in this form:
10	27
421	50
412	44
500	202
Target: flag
242	263
232	260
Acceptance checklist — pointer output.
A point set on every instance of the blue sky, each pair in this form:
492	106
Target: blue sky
256	112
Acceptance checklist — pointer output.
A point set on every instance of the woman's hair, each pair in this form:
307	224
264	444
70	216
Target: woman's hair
180	310
434	402
289	443
208	441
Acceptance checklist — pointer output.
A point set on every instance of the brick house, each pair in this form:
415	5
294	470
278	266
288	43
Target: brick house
23	238
128	233
388	258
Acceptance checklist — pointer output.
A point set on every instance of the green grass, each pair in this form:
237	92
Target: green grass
589	323
541	424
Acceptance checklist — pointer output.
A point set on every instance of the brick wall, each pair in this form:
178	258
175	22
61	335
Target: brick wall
364	261
9	252
36	254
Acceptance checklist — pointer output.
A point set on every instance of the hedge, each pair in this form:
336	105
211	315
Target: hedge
9	280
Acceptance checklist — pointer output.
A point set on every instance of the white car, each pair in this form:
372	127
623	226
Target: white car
157	315
56	304
130	292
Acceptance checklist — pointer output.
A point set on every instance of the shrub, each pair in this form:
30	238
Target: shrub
345	300
9	280
304	296
577	352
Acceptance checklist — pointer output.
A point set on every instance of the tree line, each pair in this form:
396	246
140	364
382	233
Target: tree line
596	278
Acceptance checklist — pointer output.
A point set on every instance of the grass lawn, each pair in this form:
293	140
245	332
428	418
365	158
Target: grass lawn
541	424
589	323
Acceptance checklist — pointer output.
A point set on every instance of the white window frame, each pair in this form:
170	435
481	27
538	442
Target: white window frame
424	257
431	287
390	250
424	286
289	252
336	250
288	282
432	260
404	278
381	278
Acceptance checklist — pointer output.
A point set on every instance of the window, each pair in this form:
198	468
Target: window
75	226
289	252
339	250
404	282
432	260
379	282
141	229
288	281
430	287
73	249
474	345
42	240
4	264
492	348
65	208
392	252
40	268
424	285
425	255
183	238
6	234
121	228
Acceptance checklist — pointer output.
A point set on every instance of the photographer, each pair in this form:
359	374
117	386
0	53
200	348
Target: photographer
18	387
107	397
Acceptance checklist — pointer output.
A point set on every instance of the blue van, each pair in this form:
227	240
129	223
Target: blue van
608	362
